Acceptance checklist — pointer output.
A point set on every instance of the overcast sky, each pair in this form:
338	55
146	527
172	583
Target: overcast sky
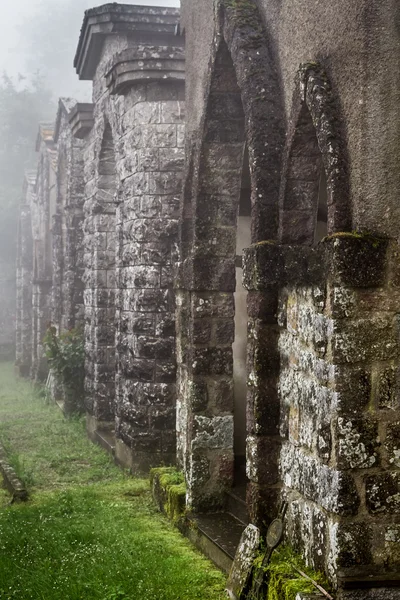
11	59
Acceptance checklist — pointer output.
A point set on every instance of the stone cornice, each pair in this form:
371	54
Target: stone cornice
46	135
145	63
81	119
65	105
145	24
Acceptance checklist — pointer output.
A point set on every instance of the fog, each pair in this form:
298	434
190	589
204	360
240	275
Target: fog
29	28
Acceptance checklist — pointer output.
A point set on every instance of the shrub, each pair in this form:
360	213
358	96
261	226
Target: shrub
66	355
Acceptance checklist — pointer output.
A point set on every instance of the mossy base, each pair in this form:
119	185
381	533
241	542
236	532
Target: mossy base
169	491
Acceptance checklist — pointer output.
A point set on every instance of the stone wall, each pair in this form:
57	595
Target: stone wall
269	124
23	357
315	434
67	285
338	351
133	163
42	210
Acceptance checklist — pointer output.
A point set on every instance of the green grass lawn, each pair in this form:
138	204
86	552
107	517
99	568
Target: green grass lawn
89	530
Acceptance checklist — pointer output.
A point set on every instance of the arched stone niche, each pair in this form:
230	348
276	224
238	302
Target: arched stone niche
314	189
243	110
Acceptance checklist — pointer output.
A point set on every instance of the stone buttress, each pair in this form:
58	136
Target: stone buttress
23	359
67	287
43	208
133	163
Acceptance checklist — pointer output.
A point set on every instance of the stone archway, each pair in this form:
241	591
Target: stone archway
315	175
243	108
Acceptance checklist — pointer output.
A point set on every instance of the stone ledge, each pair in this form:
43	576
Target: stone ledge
348	259
11	480
144	64
81	119
144	24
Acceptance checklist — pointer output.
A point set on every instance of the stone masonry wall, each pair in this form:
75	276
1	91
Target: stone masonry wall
67	286
42	207
338	391
133	184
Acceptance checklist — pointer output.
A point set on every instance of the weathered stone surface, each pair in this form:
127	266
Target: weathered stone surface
383	493
243	562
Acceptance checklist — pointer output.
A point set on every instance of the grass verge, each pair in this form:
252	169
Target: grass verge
90	531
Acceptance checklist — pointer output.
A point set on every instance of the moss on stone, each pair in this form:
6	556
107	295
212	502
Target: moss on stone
169	490
358	235
284	581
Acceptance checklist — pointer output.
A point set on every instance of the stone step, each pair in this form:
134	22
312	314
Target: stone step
217	535
106	439
236	503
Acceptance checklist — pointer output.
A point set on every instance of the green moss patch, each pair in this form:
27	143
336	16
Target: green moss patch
169	491
284	581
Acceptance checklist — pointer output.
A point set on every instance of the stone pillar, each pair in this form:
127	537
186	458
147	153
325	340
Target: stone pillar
150	163
58	266
24	292
339	408
99	261
261	279
41	307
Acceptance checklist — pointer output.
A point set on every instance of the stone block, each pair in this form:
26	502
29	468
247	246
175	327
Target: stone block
262	460
224	332
163	419
165	183
392	444
362	340
263	503
220	304
165	325
353	389
357	260
212	361
197	396
137	368
383	493
201	331
387	388
262	266
159	136
263	305
262	409
331	489
357	443
171	159
353	544
220	395
166	371
212	433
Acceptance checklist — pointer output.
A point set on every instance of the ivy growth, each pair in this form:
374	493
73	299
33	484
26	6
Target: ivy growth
66	355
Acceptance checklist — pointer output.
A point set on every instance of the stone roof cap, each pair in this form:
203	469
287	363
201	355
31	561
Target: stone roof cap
145	63
46	135
65	105
145	24
81	119
30	177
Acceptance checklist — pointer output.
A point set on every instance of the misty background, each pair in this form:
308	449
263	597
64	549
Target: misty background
37	48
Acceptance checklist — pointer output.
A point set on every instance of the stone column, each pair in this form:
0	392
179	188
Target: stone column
150	165
99	261
24	292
